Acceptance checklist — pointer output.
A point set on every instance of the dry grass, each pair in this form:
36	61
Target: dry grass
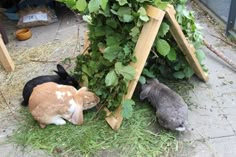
30	62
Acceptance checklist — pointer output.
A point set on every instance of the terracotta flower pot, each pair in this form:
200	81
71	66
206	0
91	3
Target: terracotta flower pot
23	34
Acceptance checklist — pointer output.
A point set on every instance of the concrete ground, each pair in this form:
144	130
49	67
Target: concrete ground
212	111
36	56
212	114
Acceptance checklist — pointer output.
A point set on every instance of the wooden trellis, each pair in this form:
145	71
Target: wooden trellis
5	58
142	50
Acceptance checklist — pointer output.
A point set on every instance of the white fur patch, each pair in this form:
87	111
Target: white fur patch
180	129
59	86
72	106
68	93
60	94
58	120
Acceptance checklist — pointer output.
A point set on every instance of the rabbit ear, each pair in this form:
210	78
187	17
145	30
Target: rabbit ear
77	116
82	89
61	71
145	91
156	81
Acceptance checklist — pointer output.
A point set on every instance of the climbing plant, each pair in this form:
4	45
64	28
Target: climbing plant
114	27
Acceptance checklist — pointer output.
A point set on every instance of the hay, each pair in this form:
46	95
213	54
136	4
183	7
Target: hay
27	67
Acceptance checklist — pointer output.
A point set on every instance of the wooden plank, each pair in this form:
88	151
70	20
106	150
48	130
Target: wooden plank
141	51
183	44
86	43
5	58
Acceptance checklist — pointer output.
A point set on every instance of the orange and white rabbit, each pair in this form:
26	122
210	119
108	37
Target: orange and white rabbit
51	103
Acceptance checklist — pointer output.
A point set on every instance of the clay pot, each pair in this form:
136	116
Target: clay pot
23	34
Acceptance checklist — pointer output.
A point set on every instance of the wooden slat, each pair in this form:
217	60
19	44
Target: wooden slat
142	49
86	43
186	48
5	58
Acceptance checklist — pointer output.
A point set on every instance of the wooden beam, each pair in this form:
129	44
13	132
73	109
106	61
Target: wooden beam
141	51
86	43
5	58
187	49
143	48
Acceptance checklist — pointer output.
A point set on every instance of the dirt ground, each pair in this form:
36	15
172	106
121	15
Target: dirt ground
212	110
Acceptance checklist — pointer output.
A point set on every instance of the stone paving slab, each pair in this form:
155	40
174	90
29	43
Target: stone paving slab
223	147
212	114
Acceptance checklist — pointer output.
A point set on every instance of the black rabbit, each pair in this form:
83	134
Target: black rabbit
171	110
62	77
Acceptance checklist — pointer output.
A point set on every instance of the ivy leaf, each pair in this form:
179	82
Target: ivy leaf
112	40
81	5
177	66
171	55
111	23
142	80
127	108
148	73
111	79
103	4
144	18
127	72
141	1
110	53
164	28
188	72
200	56
93	5
86	70
124	14
179	75
99	31
124	11
162	47
182	1
101	46
204	67
87	18
122	2
69	3
127	50
134	31
127	18
142	14
85	80
160	4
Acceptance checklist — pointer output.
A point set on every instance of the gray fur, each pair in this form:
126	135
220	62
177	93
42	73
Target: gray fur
171	110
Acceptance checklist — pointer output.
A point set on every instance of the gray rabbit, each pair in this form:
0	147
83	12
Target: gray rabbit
171	110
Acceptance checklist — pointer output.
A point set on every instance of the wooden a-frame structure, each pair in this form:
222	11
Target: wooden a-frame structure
142	50
5	58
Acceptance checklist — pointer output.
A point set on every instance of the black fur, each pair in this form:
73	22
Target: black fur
62	77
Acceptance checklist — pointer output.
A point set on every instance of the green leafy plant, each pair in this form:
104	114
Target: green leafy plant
114	27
